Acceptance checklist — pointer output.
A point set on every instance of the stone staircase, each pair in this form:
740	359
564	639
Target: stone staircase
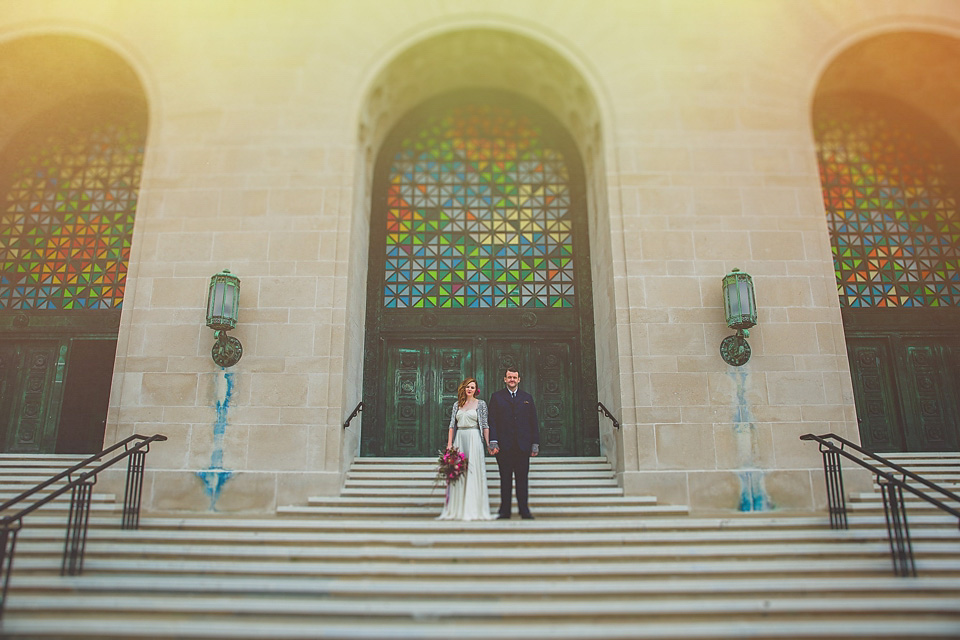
373	563
406	487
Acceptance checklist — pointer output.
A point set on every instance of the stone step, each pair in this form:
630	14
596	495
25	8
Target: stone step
538	460
515	586
921	455
62	505
406	474
951	483
947	470
428	482
43	493
649	549
499	536
537	490
413	511
229	628
545	531
872	496
436	500
477	609
491	571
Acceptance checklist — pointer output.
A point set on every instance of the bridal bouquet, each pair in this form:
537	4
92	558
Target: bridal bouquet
452	465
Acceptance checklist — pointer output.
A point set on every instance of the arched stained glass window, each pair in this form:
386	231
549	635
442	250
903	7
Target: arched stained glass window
891	208
67	221
478	215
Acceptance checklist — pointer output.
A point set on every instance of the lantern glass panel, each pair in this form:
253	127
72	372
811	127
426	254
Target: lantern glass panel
739	302
229	309
223	301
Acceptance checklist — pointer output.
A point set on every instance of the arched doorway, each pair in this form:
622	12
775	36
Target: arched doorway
479	259
69	179
889	176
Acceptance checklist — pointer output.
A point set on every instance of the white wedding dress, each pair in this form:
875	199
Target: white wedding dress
467	498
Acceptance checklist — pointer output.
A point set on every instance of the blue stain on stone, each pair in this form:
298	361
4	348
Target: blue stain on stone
215	477
753	493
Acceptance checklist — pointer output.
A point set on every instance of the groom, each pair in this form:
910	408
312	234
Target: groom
514	437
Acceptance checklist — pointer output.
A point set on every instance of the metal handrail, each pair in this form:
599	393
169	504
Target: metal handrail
887	476
606	412
891	488
63	474
353	415
78	516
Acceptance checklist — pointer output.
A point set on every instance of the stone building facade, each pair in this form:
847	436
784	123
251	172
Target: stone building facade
266	132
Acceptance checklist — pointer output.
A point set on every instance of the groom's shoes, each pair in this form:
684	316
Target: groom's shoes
527	516
503	516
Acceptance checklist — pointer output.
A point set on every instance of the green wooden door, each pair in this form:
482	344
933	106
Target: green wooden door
906	381
423	375
54	393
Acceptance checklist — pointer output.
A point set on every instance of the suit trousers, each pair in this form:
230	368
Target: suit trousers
513	464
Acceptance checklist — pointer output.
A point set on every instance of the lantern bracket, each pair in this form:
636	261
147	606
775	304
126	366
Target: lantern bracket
227	350
734	349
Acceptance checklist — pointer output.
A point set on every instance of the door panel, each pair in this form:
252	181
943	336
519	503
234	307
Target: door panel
931	396
424	376
9	366
86	396
36	397
546	372
875	393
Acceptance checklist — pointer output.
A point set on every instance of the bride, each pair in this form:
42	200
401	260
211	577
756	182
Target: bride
467	497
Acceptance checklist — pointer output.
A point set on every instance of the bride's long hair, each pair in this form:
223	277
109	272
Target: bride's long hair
462	391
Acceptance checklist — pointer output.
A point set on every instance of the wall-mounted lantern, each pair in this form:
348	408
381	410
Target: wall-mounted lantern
740	307
223	306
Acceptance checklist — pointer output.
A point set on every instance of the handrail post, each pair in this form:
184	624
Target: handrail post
8	542
895	510
77	523
134	490
836	495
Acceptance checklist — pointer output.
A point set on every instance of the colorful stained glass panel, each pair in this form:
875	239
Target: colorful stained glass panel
478	215
891	212
67	221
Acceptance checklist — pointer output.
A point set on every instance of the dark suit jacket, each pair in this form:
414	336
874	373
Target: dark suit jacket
513	422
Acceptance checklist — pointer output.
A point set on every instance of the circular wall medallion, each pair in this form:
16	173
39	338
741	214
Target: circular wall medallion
21	320
429	320
528	319
227	352
734	350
